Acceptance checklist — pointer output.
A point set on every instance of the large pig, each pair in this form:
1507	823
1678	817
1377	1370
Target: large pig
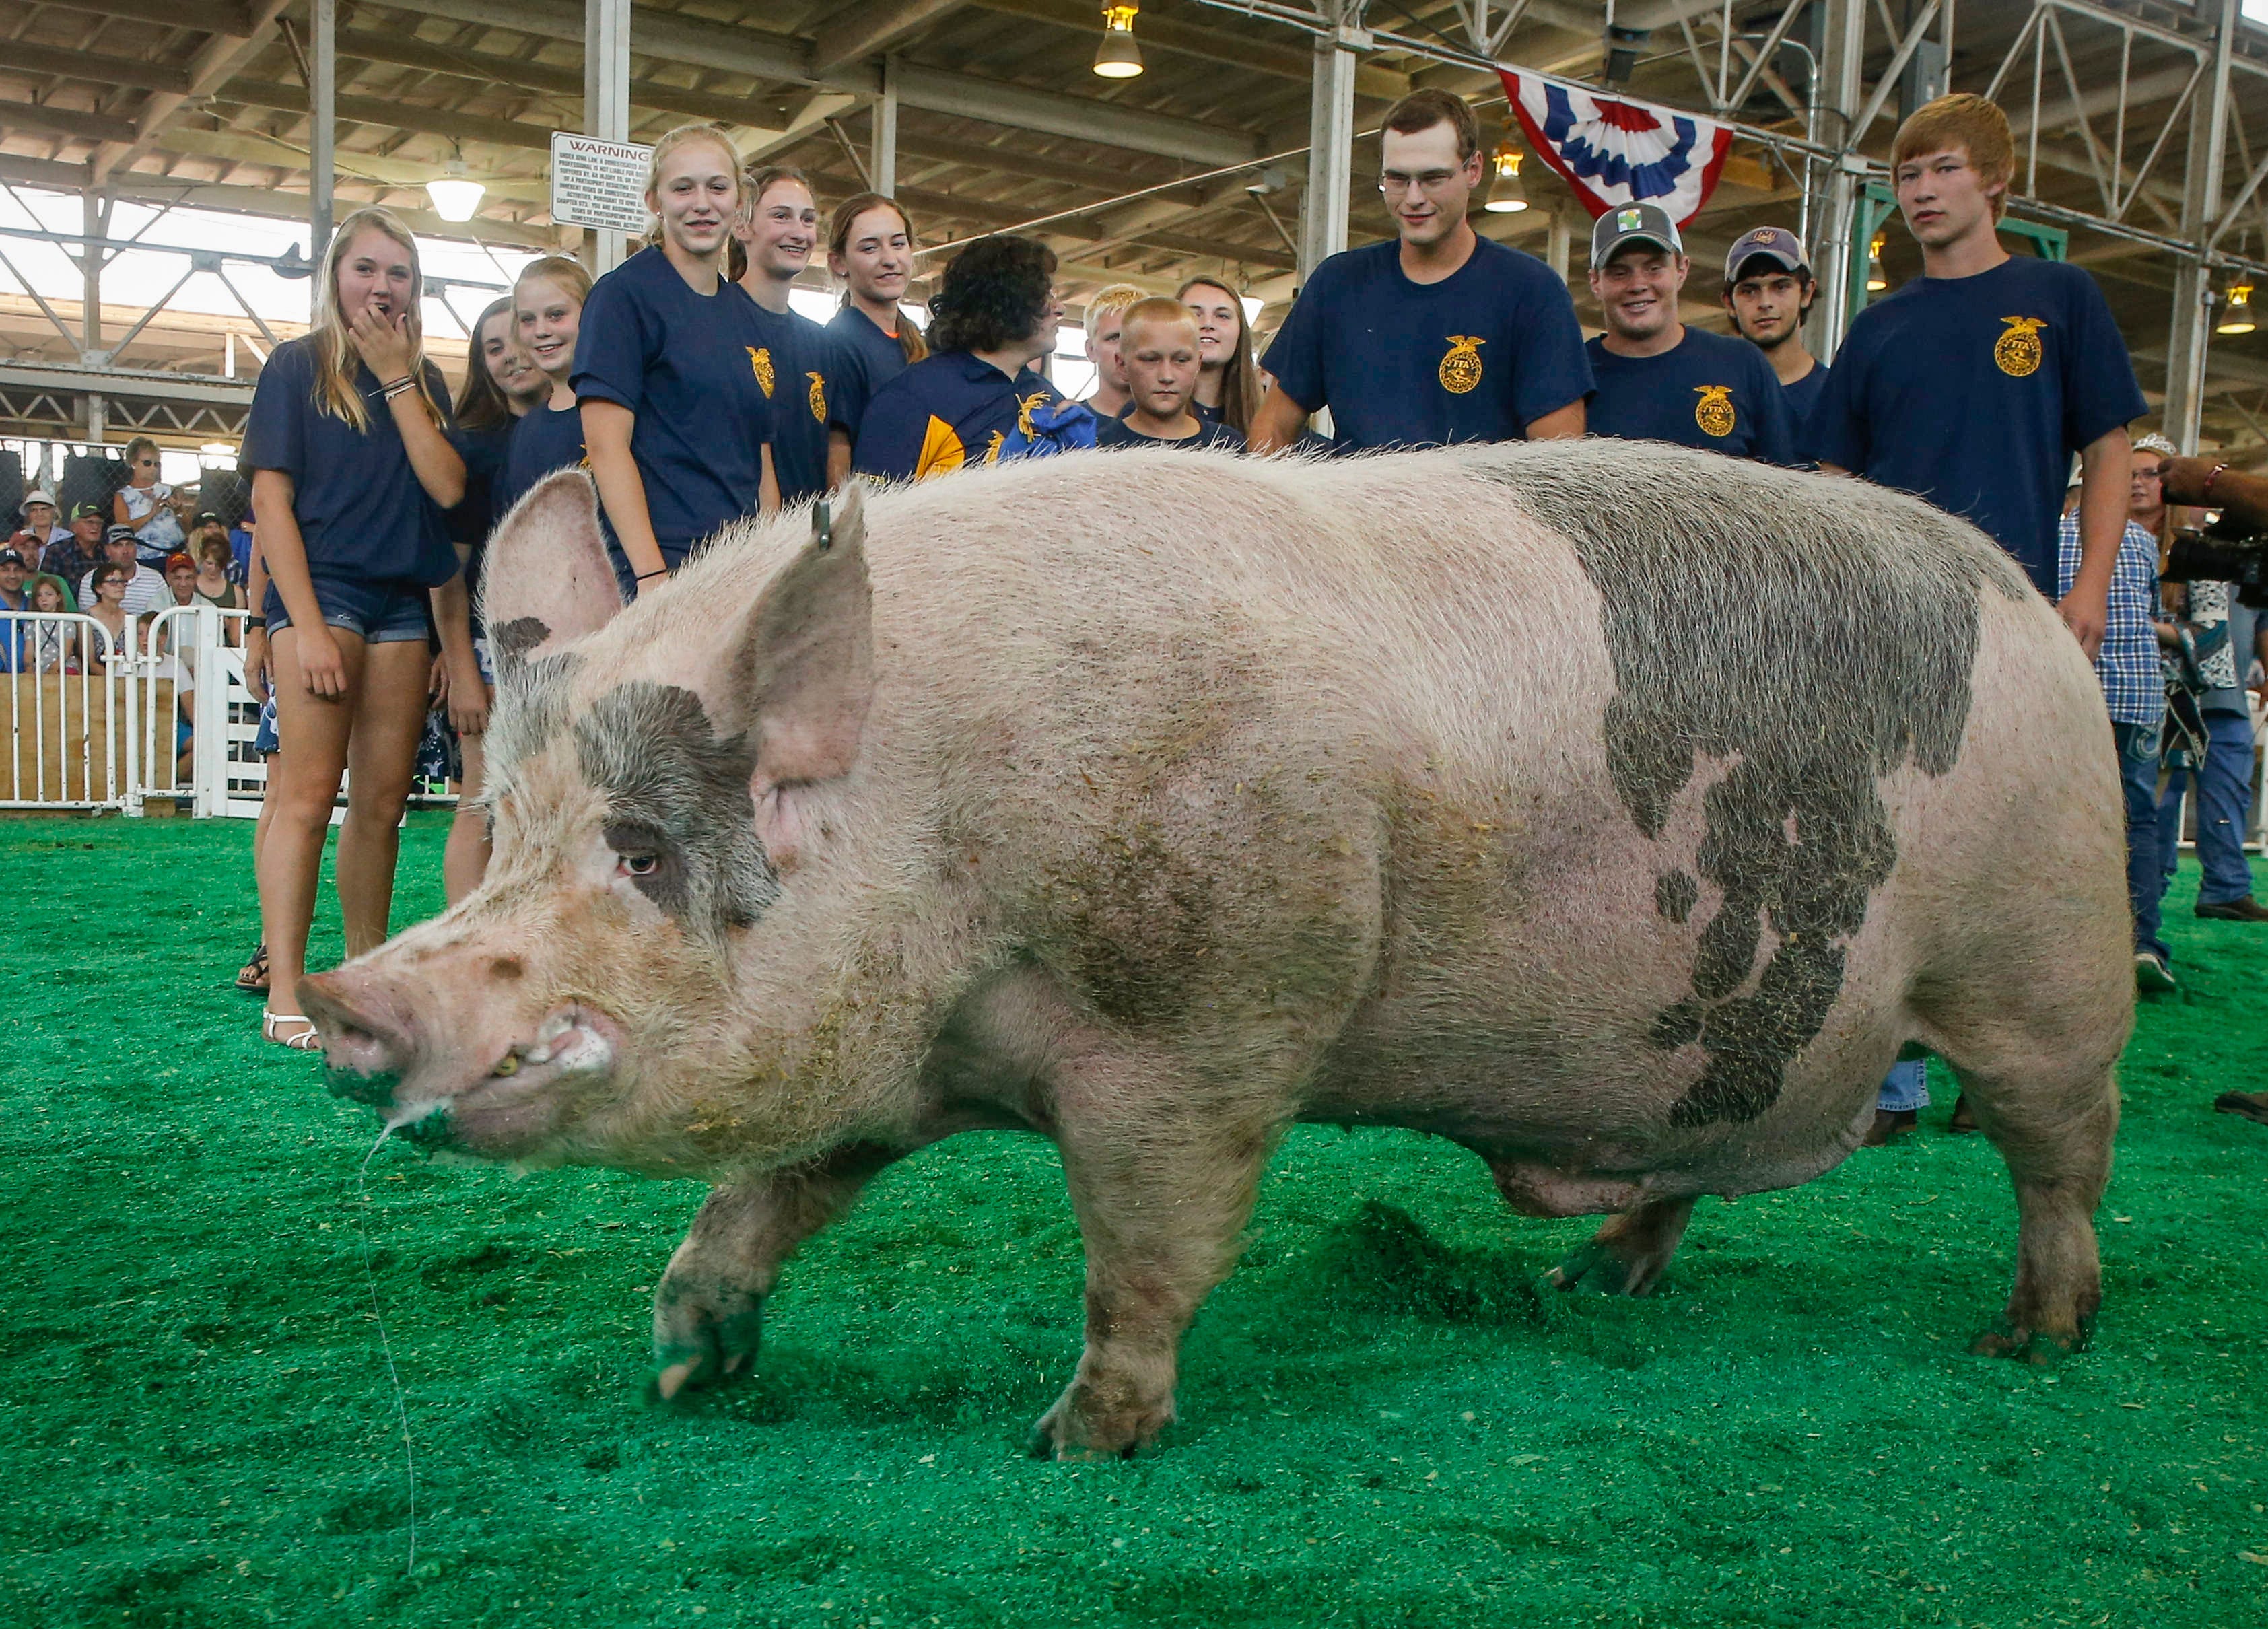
1617	811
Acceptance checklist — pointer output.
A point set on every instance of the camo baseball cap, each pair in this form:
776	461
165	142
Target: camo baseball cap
1777	243
1633	223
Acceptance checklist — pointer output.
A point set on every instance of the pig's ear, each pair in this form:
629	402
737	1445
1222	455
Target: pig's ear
804	675
548	580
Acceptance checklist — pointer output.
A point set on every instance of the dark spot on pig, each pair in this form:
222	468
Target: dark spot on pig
512	640
507	968
1139	926
1813	635
672	785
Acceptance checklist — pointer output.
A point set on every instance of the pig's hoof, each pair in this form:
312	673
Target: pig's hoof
1070	1431
1595	1269
2040	1348
703	1340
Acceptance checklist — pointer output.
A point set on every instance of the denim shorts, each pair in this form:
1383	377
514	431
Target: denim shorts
379	613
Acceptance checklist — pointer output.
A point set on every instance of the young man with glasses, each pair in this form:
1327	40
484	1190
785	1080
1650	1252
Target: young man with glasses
1437	336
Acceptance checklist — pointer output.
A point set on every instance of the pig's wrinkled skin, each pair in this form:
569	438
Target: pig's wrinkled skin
1615	811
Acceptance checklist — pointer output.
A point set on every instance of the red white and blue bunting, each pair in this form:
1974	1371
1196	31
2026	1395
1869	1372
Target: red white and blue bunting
1615	151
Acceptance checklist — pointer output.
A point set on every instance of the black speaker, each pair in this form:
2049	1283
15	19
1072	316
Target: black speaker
90	479
11	490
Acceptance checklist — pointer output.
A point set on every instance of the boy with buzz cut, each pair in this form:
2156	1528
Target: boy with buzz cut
1106	313
1159	347
1972	386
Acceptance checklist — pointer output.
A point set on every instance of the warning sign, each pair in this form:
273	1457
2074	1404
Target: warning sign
599	184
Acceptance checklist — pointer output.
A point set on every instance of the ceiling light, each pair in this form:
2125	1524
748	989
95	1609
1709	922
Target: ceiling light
1505	196
1877	280
2237	318
1117	57
218	449
455	198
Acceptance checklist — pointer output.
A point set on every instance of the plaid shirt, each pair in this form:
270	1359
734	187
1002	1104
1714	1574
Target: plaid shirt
2128	665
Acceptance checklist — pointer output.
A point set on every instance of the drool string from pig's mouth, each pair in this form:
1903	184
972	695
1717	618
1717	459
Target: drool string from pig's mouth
385	1344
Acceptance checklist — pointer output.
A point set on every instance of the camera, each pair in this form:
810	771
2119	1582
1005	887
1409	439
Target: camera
2226	551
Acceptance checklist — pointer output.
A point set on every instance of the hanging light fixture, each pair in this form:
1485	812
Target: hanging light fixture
1876	279
455	196
2237	314
1117	57
1504	194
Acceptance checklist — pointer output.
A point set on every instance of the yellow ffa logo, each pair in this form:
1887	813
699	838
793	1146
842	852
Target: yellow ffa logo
2017	352
1024	406
760	359
1714	411
1461	368
817	395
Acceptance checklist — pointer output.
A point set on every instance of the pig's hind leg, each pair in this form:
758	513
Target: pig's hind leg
1627	1255
709	1310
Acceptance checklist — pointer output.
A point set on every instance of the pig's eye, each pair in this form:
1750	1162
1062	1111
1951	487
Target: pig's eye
639	864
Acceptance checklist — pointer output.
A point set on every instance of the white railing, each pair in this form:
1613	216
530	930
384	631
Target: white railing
70	721
200	649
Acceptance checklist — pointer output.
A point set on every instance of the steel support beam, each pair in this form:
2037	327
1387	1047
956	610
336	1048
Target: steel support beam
883	165
322	132
607	99
211	65
94	226
1330	137
2189	333
1839	67
869	30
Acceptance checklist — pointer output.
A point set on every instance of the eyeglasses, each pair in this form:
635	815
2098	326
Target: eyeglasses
1392	182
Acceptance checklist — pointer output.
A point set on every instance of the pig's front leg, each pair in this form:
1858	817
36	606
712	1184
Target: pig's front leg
1162	1211
709	1311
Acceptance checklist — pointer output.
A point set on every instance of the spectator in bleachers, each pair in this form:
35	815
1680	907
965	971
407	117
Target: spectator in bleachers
213	587
976	400
182	578
73	557
108	638
50	647
240	544
1106	319
144	505
145	589
869	250
13	569
40	526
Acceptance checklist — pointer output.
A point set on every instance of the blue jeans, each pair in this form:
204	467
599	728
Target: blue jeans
2145	880
1905	1086
2224	795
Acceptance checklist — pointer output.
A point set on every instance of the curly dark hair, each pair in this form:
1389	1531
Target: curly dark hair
996	292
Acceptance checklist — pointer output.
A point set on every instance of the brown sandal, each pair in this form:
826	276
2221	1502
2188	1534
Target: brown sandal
253	975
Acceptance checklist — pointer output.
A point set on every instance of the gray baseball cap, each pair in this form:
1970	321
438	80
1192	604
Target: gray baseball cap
1633	223
1777	243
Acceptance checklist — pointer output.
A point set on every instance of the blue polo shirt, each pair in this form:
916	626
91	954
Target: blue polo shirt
685	364
869	358
1478	356
1975	392
1802	397
952	409
799	367
1708	392
360	510
482	451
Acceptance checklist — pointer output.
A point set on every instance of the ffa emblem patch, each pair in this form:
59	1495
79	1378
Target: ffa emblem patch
2017	352
1714	411
761	360
1460	367
817	395
1024	406
999	438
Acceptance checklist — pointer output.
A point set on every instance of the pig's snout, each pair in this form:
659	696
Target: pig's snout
368	1033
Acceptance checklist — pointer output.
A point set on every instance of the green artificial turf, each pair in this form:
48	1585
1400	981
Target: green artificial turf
1383	1422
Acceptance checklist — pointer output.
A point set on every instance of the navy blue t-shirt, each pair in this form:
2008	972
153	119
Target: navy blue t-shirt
482	451
1975	392
685	364
1802	397
869	358
1478	356
360	509
541	442
952	409
1710	393
798	368
1118	432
